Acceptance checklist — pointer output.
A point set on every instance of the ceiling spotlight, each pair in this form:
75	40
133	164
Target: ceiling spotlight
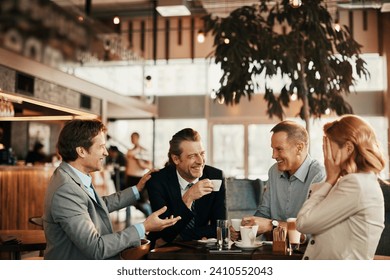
337	27
170	8
295	3
200	36
116	20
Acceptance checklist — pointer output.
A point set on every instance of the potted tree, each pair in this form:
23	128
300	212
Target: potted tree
273	39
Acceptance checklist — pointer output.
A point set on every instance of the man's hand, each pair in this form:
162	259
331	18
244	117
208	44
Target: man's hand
234	235
263	223
141	184
154	223
198	190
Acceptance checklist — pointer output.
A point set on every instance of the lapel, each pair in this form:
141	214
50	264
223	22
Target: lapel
99	202
173	184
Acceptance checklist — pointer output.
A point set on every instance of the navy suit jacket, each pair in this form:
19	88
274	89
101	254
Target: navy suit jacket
164	190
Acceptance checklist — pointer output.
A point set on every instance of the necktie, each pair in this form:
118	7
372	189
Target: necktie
90	190
191	223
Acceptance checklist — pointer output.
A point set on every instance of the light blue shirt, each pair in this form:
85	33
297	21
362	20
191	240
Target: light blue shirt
284	196
87	182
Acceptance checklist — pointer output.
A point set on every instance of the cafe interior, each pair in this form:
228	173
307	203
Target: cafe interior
149	66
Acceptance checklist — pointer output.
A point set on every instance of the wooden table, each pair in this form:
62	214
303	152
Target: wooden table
192	250
30	240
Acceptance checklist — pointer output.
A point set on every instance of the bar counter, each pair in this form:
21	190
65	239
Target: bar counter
22	192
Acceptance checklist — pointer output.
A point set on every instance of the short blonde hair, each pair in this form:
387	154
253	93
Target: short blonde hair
367	156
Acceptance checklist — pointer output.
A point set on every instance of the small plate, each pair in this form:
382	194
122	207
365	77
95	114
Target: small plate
242	246
210	240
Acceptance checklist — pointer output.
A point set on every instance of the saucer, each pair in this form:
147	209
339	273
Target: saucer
242	246
210	240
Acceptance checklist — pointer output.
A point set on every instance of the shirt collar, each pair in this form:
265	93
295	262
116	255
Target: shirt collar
184	183
302	171
85	179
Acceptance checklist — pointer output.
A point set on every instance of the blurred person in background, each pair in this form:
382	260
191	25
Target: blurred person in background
37	155
138	163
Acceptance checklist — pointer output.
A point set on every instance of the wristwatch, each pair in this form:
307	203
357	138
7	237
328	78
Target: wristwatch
274	223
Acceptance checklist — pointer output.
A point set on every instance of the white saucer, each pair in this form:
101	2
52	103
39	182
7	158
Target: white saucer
210	240
242	246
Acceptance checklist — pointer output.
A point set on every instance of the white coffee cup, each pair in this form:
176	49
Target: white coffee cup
236	223
248	234
216	184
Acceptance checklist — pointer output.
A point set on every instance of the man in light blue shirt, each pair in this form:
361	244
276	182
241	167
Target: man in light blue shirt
289	178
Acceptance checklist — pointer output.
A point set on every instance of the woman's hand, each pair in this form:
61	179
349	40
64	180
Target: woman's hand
332	162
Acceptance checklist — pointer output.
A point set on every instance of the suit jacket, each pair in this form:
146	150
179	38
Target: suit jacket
346	220
78	227
164	190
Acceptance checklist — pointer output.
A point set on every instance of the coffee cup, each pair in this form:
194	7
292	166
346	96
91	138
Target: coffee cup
236	223
248	234
216	184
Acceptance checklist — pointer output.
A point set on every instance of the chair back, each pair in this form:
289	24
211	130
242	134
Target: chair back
384	242
243	196
37	221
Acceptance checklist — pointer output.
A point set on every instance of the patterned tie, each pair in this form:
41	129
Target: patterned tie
191	223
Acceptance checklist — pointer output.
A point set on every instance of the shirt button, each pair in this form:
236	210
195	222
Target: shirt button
312	242
306	258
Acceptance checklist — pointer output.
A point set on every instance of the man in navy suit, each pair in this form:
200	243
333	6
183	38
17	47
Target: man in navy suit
184	186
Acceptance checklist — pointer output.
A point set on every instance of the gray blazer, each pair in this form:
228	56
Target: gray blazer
78	227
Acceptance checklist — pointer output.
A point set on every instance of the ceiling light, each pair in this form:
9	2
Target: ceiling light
116	20
171	8
200	36
385	8
295	3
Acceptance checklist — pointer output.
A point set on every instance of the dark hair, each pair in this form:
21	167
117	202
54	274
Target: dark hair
186	134
77	133
295	131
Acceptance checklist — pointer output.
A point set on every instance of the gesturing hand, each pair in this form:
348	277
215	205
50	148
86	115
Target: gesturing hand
154	223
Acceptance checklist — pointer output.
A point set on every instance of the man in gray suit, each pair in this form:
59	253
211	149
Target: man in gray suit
76	219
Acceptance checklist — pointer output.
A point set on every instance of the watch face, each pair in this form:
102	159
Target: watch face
275	223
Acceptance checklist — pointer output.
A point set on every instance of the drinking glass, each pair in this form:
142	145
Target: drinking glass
223	234
294	236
